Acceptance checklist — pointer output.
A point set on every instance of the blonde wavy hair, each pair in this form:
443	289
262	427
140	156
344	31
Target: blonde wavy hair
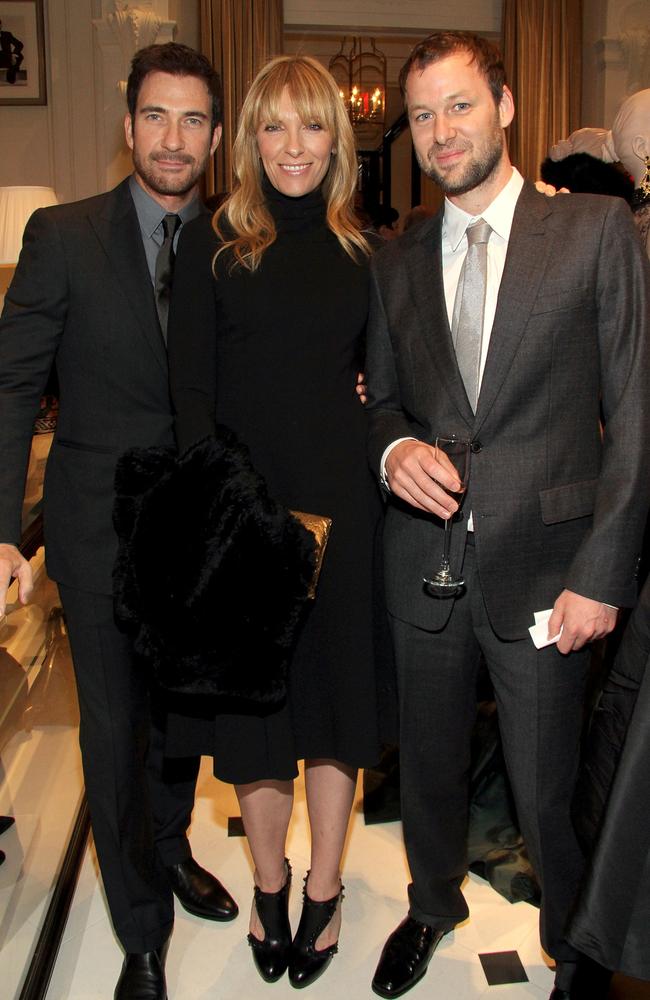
243	222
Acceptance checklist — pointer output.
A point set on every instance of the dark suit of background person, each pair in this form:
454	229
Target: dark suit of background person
83	297
554	506
611	920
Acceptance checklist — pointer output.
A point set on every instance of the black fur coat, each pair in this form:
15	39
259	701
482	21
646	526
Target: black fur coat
212	574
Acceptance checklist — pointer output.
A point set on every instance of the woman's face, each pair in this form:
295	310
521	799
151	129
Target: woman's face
295	154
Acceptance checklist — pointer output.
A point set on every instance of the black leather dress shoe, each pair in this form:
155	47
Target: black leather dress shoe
143	976
405	957
201	893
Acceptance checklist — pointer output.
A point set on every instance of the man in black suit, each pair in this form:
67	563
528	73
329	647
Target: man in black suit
90	294
512	321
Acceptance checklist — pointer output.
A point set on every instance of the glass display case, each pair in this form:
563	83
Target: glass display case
42	808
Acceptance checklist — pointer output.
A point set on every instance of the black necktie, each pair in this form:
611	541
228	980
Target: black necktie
165	269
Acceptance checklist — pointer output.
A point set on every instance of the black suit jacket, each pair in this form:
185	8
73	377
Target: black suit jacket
555	504
81	296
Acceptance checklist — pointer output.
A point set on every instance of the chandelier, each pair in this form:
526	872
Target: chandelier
361	76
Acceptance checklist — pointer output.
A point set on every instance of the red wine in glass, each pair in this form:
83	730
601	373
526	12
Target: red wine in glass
444	583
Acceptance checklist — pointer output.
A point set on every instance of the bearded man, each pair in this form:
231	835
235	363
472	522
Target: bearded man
91	294
512	322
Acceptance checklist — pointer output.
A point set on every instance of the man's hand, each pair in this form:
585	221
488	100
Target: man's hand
583	620
12	564
362	388
421	474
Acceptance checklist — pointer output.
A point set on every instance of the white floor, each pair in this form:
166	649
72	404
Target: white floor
208	960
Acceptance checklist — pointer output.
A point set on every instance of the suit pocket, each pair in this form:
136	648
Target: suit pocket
94	449
565	503
562	300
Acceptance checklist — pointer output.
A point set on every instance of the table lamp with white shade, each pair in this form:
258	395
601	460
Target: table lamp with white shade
16	206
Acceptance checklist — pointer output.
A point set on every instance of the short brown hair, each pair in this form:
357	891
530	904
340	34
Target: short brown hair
178	60
441	44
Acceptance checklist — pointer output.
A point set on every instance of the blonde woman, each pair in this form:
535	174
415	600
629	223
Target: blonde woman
266	336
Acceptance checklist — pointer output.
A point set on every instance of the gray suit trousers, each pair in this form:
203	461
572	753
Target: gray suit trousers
540	698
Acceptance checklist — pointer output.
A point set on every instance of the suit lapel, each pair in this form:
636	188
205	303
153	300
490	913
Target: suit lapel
118	231
522	276
432	343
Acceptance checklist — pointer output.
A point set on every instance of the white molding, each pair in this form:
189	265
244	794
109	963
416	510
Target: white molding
72	122
419	16
122	29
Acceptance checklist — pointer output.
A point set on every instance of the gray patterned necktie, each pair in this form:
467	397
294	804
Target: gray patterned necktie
469	306
164	270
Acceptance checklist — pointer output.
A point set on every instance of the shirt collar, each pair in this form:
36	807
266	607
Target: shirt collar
498	214
150	213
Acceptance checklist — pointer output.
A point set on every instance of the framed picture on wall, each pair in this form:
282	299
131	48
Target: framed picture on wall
22	52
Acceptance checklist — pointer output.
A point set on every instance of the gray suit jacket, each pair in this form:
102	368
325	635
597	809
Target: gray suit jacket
81	296
555	503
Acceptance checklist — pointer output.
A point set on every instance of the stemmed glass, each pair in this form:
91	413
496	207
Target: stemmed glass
444	583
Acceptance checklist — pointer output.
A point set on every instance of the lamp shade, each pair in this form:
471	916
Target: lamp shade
16	206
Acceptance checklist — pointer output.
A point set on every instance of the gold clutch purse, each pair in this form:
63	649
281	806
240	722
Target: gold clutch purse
320	527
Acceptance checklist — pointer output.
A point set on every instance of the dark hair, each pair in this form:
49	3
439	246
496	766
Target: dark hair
179	60
441	44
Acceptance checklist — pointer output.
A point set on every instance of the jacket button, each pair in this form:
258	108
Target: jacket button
476	446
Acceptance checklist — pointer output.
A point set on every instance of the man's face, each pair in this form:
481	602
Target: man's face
457	129
171	134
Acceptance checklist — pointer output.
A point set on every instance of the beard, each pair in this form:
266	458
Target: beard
166	184
475	172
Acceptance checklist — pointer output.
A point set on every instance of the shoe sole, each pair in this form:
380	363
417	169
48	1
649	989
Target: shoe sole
209	916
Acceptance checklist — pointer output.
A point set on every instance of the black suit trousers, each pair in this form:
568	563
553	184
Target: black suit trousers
540	698
139	812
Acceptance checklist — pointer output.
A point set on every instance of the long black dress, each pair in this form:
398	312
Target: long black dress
274	355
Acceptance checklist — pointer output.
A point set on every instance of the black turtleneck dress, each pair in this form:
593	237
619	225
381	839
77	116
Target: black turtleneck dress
274	355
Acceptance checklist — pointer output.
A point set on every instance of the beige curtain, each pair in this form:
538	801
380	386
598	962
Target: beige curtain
542	48
238	36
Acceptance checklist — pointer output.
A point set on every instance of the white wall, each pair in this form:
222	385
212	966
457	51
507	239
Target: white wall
616	58
74	143
25	146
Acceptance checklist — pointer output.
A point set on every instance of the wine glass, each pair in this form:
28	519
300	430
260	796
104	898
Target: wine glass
444	583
